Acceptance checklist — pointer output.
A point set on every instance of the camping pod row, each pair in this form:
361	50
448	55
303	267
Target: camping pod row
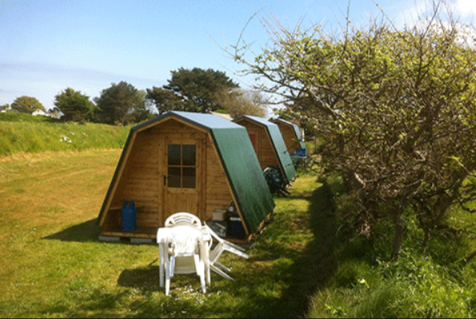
186	162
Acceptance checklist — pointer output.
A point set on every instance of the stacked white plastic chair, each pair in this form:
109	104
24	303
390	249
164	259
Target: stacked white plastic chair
183	218
188	255
184	248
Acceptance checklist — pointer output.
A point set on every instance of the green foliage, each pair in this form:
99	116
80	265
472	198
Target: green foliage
222	111
27	104
165	100
240	102
395	111
144	113
75	106
33	134
120	103
5	107
439	284
25	117
191	90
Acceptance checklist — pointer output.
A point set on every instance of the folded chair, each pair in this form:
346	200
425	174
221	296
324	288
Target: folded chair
222	246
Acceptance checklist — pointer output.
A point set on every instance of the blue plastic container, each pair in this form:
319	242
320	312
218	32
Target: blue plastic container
236	226
301	152
128	216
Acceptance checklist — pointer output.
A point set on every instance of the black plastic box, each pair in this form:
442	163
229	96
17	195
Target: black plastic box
236	226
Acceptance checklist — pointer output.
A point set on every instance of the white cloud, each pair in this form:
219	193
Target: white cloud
420	10
409	16
464	8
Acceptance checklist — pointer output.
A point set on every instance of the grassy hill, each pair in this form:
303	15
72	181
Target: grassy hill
27	133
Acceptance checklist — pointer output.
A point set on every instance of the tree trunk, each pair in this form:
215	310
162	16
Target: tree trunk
426	240
399	232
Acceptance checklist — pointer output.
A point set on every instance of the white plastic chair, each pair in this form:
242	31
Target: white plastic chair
222	246
186	248
185	255
182	218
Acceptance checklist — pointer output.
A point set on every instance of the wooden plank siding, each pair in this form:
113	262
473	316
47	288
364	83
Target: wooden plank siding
289	136
139	182
142	179
218	194
263	146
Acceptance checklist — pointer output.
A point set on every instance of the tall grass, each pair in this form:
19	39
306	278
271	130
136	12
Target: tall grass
25	117
438	284
31	134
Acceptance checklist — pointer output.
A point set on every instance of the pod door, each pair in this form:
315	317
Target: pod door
181	183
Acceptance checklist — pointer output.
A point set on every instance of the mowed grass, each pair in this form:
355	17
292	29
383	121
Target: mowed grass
53	264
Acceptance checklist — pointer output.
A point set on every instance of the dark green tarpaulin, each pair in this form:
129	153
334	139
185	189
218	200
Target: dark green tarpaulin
245	175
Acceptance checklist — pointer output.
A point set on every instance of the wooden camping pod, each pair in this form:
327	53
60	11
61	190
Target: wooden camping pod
291	135
268	144
174	163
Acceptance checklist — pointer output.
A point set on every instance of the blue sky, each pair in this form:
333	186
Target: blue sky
49	45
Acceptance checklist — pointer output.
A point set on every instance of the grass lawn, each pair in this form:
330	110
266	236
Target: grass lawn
53	265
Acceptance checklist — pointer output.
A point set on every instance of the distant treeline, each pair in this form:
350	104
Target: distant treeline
195	90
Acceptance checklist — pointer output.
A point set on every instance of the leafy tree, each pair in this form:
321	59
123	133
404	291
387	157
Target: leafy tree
395	108
165	100
240	102
74	105
27	104
118	103
54	113
191	90
146	112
